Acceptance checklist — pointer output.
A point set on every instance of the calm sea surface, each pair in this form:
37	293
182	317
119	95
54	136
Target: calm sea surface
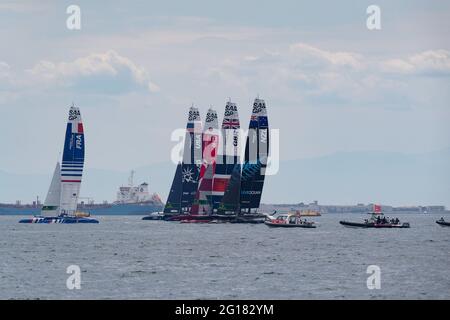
127	258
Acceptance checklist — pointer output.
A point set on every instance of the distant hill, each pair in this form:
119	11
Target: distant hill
341	178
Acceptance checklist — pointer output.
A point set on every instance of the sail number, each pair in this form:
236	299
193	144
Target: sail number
263	135
78	141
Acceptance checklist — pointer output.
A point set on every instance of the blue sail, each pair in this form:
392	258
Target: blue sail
64	190
255	161
72	162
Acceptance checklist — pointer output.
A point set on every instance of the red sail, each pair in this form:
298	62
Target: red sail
201	203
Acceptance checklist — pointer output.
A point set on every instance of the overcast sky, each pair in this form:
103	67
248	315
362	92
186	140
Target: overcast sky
134	69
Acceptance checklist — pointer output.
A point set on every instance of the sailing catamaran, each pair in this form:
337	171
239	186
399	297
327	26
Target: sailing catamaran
243	188
202	205
254	167
60	205
185	182
203	188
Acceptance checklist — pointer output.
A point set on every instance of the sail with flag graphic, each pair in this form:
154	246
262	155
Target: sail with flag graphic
192	158
255	161
72	162
227	155
53	199
202	203
60	205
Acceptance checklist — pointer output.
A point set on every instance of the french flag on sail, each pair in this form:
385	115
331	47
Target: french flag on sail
77	128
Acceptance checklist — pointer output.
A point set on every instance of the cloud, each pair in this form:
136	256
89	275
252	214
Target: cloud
302	74
430	63
106	72
309	55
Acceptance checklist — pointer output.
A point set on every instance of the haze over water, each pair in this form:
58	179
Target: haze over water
126	258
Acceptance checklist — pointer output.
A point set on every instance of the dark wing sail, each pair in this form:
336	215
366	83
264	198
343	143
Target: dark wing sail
255	161
173	204
192	158
263	151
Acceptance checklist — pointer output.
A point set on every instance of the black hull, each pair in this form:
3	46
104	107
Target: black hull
373	225
223	218
186	217
252	220
443	223
152	218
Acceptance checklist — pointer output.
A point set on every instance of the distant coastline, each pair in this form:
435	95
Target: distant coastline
34	208
358	208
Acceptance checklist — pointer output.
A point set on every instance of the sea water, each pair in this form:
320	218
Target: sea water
124	257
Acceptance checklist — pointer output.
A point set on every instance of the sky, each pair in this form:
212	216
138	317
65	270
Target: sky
134	68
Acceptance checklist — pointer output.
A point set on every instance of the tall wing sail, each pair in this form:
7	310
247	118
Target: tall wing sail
173	204
228	154
192	158
263	147
72	162
203	198
256	155
52	201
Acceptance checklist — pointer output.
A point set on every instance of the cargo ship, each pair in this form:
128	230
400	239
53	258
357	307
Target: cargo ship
131	200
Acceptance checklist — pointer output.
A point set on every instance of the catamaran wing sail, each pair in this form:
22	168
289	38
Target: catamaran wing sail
72	162
52	201
203	198
64	189
228	154
256	153
173	204
263	146
192	158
